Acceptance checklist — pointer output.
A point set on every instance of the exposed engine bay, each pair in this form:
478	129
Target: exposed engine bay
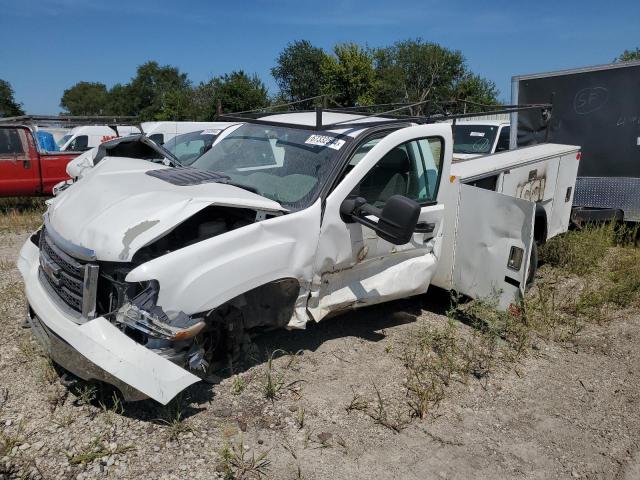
204	341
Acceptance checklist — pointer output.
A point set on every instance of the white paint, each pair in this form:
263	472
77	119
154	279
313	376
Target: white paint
117	195
96	134
341	278
102	343
483	242
168	130
117	209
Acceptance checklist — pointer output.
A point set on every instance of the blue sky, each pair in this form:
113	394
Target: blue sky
48	45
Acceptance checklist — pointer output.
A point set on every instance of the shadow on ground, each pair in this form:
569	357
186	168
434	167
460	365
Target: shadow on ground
366	323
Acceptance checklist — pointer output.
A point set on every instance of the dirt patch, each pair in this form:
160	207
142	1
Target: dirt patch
332	402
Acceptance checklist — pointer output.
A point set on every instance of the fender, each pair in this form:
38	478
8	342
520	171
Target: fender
205	275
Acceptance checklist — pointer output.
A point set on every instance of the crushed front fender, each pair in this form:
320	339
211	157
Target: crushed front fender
103	351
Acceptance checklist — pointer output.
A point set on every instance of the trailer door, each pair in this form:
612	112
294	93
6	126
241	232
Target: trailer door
492	245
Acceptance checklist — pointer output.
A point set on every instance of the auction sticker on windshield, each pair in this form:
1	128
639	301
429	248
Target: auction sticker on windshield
325	141
477	134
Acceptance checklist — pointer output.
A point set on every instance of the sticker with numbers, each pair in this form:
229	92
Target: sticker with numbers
325	141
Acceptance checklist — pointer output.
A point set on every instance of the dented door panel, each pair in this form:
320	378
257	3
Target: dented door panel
489	225
353	266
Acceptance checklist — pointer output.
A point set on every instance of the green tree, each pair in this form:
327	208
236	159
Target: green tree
203	101
238	92
8	106
628	56
158	92
120	101
349	76
414	71
476	89
85	98
298	72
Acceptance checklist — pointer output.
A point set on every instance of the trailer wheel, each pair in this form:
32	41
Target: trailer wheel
533	266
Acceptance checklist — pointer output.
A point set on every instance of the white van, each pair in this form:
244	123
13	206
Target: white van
86	137
162	132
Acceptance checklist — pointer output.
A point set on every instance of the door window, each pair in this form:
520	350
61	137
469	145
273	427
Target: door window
157	137
503	140
79	144
411	169
10	143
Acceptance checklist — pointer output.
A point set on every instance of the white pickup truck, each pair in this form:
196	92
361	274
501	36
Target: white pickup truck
474	138
145	276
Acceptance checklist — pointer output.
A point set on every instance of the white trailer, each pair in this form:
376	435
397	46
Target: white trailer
143	274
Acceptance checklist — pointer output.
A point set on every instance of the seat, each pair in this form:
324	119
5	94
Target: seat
389	177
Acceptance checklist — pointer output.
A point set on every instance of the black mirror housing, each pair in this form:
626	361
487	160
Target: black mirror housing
397	220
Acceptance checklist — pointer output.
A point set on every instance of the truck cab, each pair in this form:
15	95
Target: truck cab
25	168
474	138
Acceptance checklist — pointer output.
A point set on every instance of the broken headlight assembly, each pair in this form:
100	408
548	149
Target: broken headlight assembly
142	314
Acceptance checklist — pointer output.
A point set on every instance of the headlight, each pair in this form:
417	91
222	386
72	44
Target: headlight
158	324
144	315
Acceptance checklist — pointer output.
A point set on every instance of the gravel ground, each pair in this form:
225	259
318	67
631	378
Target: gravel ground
565	410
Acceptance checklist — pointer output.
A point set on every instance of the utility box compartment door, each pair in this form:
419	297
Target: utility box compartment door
491	227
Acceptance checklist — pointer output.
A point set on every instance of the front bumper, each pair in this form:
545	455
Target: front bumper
97	349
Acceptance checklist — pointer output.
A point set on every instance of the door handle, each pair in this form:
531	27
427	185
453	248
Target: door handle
424	227
26	163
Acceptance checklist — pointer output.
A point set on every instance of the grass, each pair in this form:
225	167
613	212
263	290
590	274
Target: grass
96	449
8	441
237	464
588	276
174	419
21	213
379	410
238	385
272	381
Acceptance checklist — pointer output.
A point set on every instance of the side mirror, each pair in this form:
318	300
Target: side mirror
397	220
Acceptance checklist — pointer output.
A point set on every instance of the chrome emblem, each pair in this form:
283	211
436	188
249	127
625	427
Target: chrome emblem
51	270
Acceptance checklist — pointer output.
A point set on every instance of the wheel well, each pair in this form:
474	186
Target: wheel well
540	225
269	305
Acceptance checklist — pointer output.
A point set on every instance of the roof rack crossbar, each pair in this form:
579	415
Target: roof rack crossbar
386	118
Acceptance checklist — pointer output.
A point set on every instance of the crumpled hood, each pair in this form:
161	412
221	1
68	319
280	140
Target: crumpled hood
117	209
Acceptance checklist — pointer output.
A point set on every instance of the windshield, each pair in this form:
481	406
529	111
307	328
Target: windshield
474	138
189	146
287	165
63	140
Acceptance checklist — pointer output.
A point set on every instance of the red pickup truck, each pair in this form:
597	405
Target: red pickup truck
24	169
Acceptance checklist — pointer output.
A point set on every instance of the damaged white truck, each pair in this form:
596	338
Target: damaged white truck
145	276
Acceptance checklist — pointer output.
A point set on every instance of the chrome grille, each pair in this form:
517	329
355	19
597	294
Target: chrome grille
73	281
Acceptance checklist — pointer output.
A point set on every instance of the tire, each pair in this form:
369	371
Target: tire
533	266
